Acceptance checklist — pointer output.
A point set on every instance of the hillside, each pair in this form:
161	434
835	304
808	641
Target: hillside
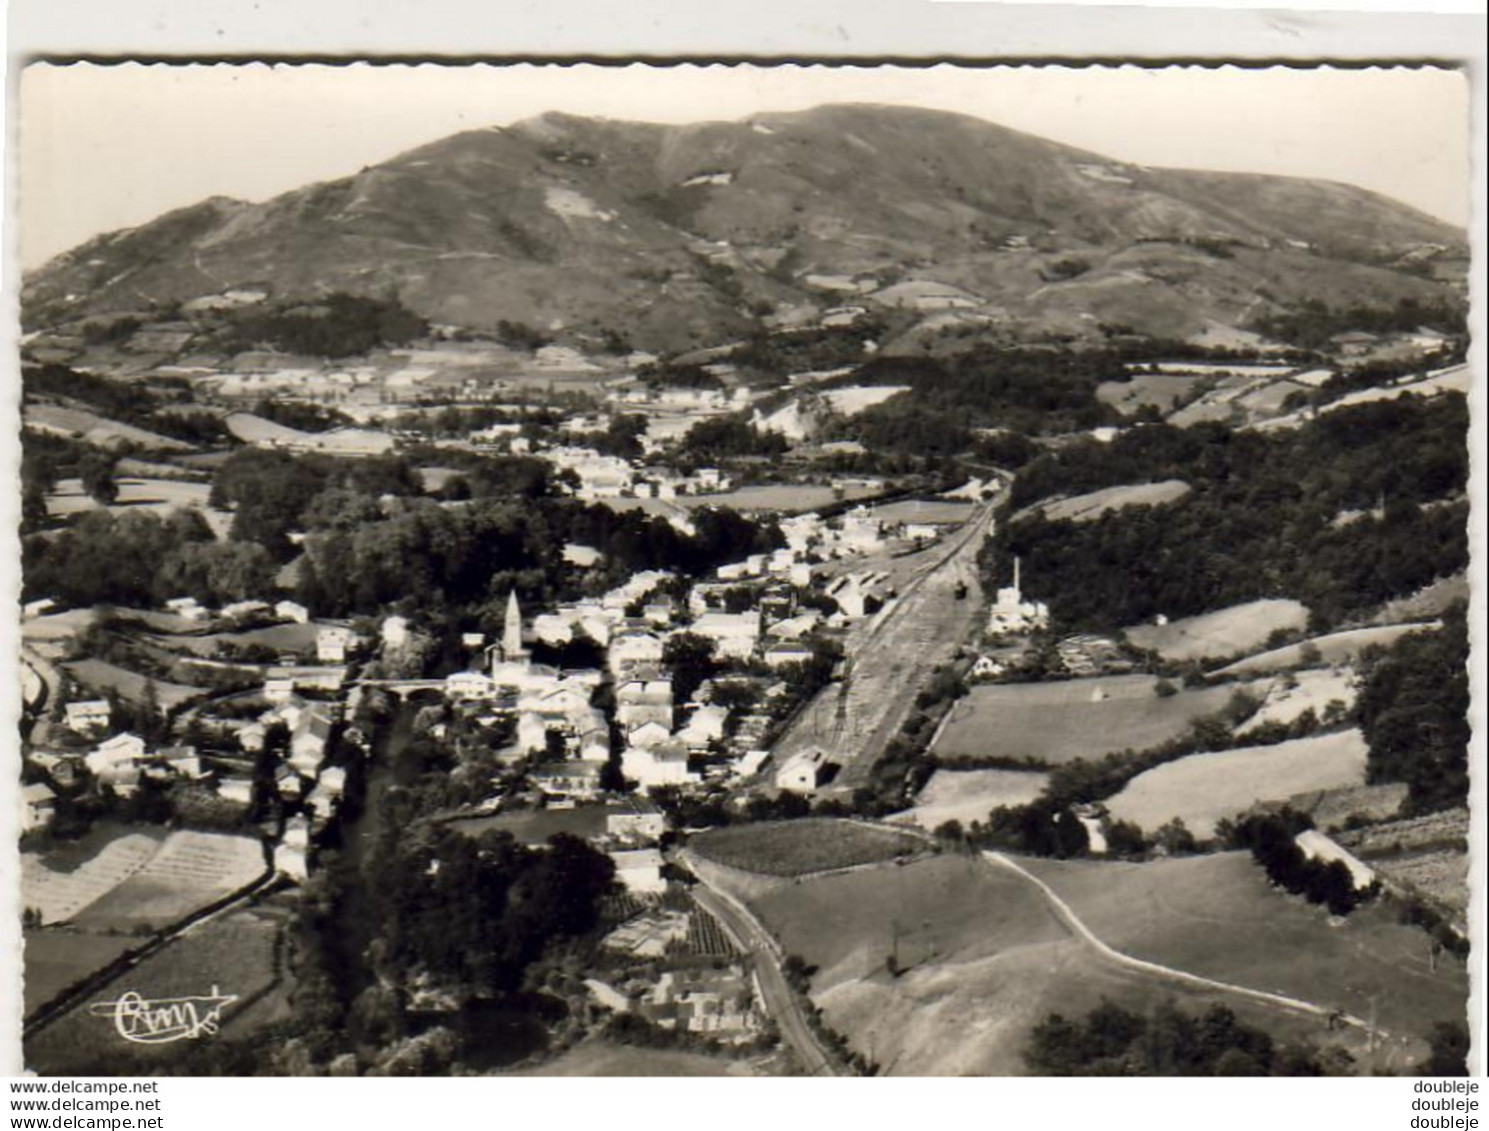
680	235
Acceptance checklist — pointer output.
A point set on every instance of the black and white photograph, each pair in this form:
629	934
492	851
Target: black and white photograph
739	570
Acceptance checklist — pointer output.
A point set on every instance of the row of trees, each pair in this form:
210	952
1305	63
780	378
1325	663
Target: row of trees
1270	837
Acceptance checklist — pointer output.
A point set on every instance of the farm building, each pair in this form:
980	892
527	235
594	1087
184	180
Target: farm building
38	804
87	714
639	870
1317	846
804	771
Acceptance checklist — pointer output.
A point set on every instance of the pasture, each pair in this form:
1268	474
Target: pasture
100	676
236	954
1164	391
60	885
981	958
1217	916
1312	690
1226	632
1094	504
798	848
1060	721
1333	648
969	795
1203	788
57	959
599	1057
190	870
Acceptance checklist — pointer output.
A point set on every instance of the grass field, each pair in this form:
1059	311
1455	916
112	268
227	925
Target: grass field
1314	691
599	1057
924	510
1203	788
1217	916
56	959
1334	648
1094	504
64	883
1164	391
797	848
100	676
969	795
190	870
1060	721
235	953
95	429
1221	634
982	959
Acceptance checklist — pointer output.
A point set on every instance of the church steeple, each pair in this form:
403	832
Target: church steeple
512	648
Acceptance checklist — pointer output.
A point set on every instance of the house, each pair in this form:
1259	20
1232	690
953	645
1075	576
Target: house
804	772
637	820
735	635
183	761
38	608
649	733
333	781
639	701
607	996
291	861
292	611
532	732
594	743
87	714
473	641
121	750
308	741
236	790
568	779
664	763
288	783
719	1003
780	655
581	557
705	724
986	667
279	690
38	806
639	870
251	737
239	609
331	644
632	649
469	685
187	608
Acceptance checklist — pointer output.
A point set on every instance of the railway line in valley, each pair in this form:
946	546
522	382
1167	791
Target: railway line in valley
891	656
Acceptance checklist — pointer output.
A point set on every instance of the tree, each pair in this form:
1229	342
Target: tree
1449	1044
690	658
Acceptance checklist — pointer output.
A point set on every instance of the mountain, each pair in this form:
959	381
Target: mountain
687	235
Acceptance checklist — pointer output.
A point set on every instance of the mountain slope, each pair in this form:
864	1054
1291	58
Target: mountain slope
685	234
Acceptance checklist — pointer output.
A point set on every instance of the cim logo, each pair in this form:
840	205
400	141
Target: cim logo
145	1022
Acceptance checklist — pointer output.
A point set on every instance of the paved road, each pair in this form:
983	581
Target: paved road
893	655
780	1001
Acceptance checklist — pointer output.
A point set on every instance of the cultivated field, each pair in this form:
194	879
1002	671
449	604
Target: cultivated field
599	1057
1223	633
236	954
924	510
1203	788
1217	916
95	429
56	959
1093	504
60	891
1164	391
101	676
1334	648
798	848
190	870
1427	854
1331	808
1061	721
969	795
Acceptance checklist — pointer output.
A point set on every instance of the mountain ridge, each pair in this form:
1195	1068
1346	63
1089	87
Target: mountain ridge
687	234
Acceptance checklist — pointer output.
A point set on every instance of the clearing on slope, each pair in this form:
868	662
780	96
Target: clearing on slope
1217	916
1202	789
1223	633
797	848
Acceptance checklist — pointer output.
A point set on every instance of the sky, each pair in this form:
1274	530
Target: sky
109	147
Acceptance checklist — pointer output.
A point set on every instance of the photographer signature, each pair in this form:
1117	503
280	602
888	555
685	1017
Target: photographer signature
146	1022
